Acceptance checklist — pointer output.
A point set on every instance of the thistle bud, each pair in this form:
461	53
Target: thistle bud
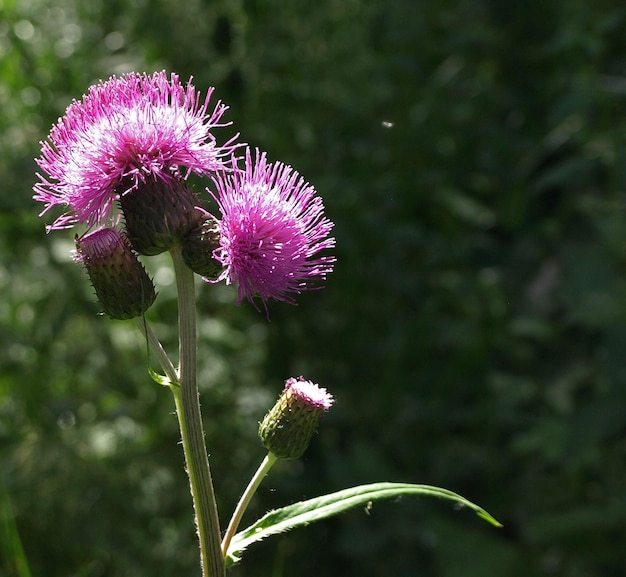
159	214
287	428
198	248
122	285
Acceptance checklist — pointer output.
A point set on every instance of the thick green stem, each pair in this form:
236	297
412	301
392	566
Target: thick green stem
190	420
263	470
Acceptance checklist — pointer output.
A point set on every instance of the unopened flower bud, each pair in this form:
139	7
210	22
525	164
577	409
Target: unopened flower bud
159	214
122	285
287	428
198	248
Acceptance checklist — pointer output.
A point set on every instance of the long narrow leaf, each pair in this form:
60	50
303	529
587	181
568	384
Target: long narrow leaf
305	512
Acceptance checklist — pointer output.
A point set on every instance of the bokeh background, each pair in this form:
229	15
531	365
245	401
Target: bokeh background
472	154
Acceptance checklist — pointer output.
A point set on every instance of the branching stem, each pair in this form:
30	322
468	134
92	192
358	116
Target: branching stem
190	420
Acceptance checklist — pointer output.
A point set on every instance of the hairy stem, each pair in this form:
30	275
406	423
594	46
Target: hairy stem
263	470
190	420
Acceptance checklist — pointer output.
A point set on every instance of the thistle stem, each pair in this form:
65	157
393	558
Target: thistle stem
190	420
157	349
253	485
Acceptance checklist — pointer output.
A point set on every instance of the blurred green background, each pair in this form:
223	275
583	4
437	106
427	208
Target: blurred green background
472	154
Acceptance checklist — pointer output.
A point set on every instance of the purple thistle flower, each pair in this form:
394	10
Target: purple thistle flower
272	229
308	393
122	133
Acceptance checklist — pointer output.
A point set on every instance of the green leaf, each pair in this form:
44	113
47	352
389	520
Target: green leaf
305	512
161	379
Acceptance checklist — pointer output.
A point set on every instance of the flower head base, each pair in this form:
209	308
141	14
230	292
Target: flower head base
272	229
287	428
159	215
198	248
122	285
126	131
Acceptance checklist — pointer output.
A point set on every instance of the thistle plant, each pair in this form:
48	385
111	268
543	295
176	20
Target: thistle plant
117	163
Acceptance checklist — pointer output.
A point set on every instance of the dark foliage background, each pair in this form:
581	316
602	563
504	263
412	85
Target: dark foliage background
472	154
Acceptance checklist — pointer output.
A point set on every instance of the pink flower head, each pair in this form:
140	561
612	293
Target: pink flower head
272	229
308	393
123	132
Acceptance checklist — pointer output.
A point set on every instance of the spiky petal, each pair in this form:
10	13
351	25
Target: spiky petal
126	131
271	232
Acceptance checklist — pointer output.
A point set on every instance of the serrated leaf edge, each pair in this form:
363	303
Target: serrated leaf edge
325	506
